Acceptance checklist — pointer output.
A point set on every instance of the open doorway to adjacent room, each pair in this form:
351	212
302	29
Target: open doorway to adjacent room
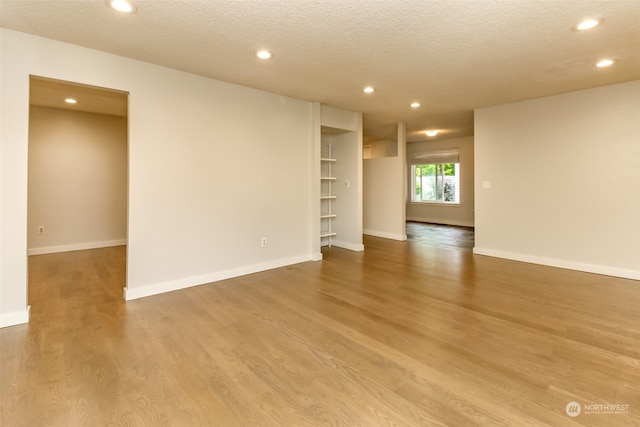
440	235
77	194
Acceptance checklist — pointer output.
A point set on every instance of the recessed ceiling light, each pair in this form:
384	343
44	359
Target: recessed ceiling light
415	104
604	63
70	101
368	89
433	132
123	6
264	54
587	24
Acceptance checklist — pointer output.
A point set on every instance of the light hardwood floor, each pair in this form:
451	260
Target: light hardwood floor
402	334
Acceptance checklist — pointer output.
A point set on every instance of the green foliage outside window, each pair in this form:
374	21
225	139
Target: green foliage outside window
435	182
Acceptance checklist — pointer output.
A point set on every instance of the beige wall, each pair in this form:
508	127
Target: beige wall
565	180
384	192
195	215
382	148
461	214
77	180
383	198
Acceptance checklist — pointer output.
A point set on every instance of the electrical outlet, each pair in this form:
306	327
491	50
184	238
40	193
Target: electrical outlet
41	229
263	242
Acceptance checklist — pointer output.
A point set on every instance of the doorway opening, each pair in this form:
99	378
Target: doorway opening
441	235
77	203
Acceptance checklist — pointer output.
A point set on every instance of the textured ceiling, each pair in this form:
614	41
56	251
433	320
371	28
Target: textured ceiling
451	56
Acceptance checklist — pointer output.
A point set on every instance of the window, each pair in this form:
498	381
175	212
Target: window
436	177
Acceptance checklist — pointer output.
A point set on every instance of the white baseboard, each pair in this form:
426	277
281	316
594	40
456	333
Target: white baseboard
385	235
316	256
174	285
552	262
76	247
441	221
347	245
15	318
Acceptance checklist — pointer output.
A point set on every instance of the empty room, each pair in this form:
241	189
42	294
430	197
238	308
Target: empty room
358	213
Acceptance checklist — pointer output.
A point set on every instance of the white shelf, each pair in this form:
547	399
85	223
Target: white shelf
326	195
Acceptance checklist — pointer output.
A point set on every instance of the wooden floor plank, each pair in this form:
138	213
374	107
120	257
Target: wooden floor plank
415	333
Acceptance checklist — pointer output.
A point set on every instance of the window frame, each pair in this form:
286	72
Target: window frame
437	159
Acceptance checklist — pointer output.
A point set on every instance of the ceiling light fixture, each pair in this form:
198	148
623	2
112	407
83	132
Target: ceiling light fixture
587	24
415	104
264	54
368	89
123	6
70	101
433	132
604	63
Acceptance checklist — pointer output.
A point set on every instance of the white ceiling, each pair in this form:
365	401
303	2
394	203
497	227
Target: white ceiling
450	55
